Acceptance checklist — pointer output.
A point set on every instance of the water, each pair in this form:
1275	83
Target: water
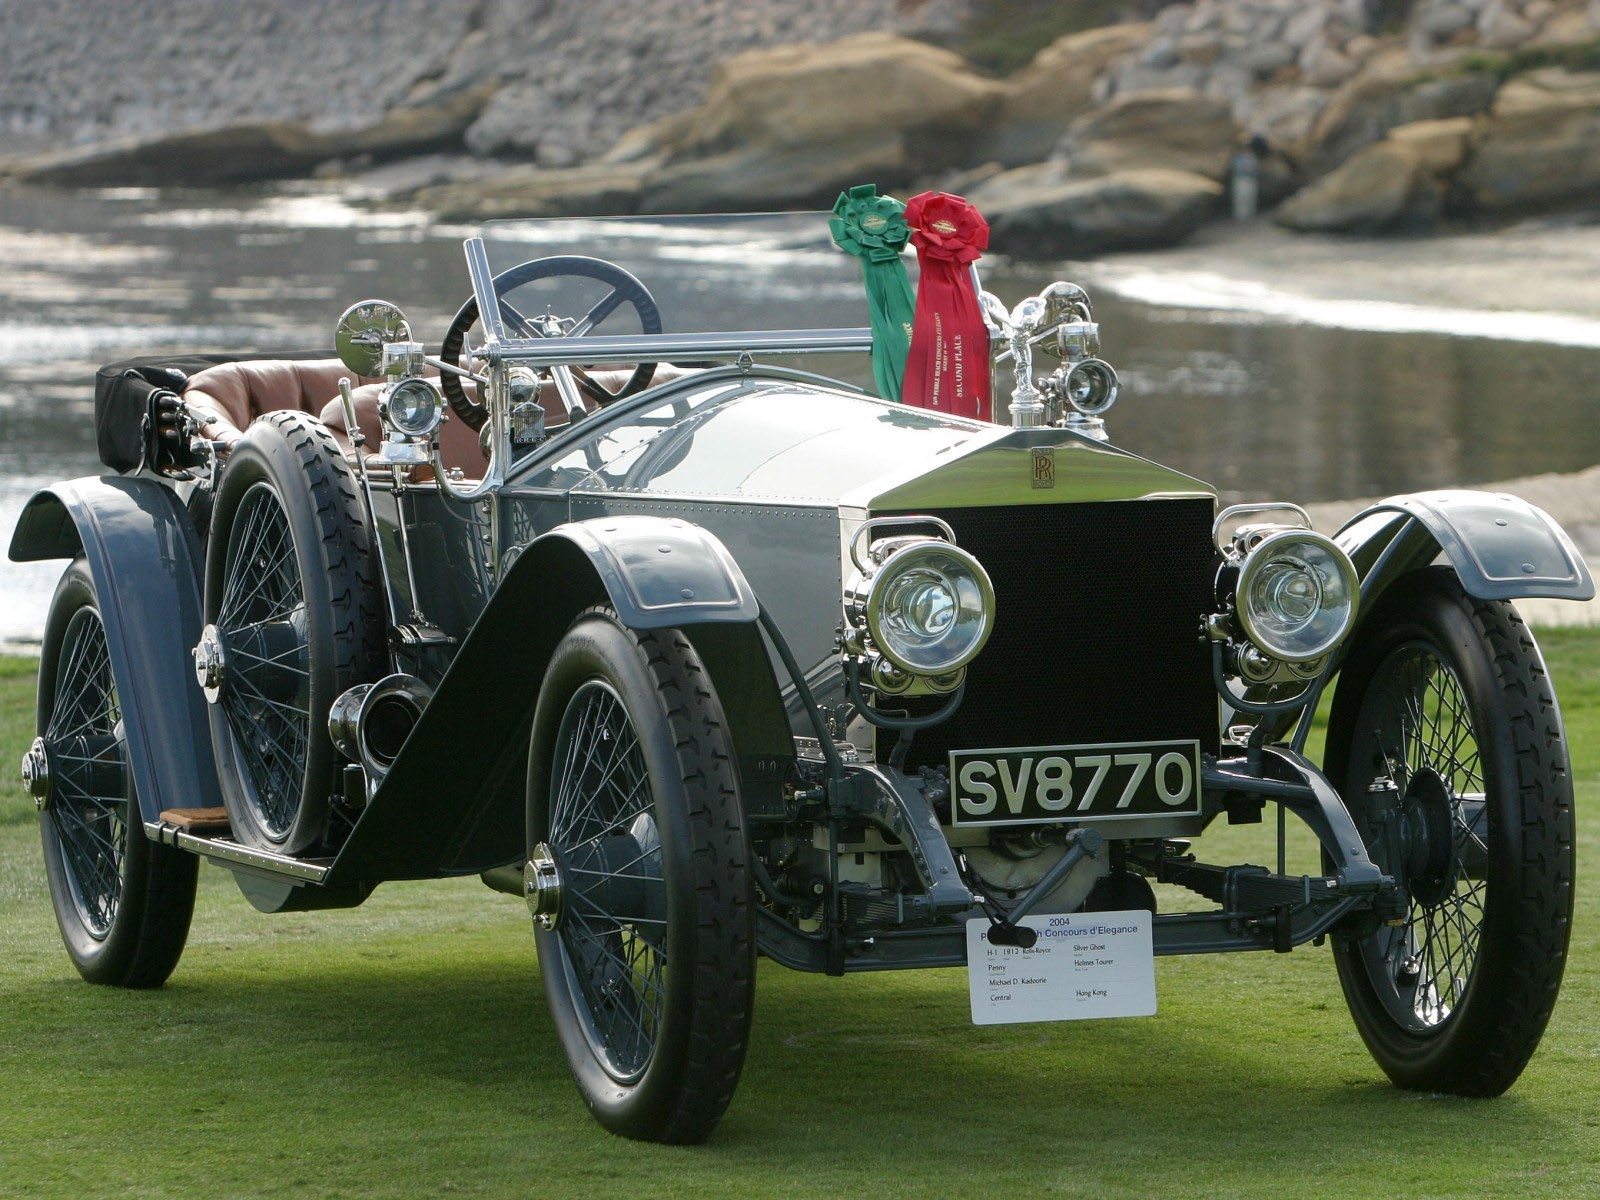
1263	401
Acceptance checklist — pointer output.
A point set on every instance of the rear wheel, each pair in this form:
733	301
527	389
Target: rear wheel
123	903
293	619
644	921
1446	741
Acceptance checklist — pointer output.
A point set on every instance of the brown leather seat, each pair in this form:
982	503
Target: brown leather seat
234	394
230	396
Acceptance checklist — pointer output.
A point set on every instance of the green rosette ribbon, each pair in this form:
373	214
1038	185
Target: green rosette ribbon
873	228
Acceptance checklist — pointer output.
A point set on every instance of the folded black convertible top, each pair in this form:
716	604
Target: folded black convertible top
122	392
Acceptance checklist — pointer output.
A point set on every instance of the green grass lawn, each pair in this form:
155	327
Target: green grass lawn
402	1048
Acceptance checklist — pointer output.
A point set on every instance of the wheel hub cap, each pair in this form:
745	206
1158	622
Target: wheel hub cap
36	772
1427	838
543	887
210	663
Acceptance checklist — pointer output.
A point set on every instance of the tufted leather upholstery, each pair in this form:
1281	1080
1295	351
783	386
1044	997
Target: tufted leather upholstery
230	396
237	393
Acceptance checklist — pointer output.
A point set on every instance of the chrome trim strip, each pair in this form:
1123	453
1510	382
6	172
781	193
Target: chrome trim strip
232	852
627	348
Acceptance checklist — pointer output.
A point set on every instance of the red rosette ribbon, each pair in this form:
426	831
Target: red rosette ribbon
948	366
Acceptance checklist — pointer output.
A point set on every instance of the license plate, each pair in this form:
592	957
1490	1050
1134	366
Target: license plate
1029	784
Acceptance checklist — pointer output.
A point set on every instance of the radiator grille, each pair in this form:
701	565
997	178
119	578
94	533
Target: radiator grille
1097	633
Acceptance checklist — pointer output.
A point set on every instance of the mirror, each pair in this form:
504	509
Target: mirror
363	331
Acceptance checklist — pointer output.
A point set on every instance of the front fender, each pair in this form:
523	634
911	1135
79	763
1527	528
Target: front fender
145	557
660	571
452	802
1501	547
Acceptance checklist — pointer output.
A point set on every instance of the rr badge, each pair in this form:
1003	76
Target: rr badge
1044	467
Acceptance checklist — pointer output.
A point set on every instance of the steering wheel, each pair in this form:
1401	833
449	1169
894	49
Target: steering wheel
625	288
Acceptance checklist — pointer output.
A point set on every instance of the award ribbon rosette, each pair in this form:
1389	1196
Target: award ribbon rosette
948	366
873	228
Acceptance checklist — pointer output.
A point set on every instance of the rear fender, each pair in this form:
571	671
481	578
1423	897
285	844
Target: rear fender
1501	547
145	558
452	802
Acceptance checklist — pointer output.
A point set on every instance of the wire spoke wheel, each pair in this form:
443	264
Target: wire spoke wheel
1446	740
89	801
1422	728
648	958
604	830
263	619
122	902
294	618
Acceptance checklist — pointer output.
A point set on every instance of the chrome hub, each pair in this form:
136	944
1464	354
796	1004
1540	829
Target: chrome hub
1427	838
542	886
36	772
210	663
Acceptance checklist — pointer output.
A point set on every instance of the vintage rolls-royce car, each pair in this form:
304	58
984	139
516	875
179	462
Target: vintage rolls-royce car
708	656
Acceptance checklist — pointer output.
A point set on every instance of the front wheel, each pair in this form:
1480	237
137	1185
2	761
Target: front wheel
123	903
1446	741
644	920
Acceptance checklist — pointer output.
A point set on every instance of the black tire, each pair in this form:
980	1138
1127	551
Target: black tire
292	598
1448	696
650	969
123	903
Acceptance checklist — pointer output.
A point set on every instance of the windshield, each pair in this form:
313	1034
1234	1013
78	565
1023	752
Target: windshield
717	272
688	290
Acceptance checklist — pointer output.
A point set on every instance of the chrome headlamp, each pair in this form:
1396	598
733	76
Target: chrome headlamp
1091	386
412	407
925	606
1297	595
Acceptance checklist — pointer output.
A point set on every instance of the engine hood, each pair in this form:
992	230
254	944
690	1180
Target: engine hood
781	442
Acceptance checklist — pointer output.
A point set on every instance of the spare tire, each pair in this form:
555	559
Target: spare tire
294	616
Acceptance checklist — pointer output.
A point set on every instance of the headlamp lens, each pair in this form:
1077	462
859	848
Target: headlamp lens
930	608
413	407
1297	595
1092	386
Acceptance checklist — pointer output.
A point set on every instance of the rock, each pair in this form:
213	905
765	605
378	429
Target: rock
259	150
1501	29
1441	146
1130	77
1382	189
1361	47
859	87
526	191
1284	115
1199	49
1043	98
1041	211
1324	66
1390	92
794	176
1441	22
1176	128
1160	54
1540	145
649	142
794	126
1267	59
1305	25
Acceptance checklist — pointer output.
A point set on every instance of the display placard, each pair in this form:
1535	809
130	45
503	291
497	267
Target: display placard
1084	965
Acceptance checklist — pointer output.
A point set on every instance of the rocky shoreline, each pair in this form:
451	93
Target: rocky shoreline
1373	116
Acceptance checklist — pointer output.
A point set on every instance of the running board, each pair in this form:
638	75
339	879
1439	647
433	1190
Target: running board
232	854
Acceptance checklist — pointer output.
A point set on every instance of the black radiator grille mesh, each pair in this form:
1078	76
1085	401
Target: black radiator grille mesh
1097	636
